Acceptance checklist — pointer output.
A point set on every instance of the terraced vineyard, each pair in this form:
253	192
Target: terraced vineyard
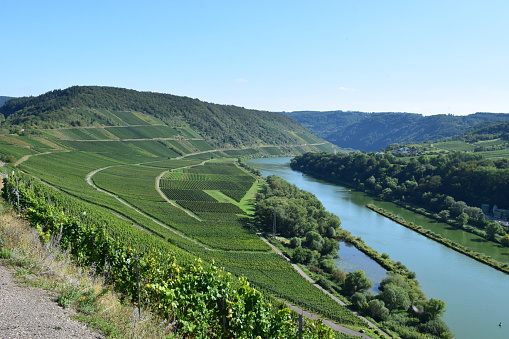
147	180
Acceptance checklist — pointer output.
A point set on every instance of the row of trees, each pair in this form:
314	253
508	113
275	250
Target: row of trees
453	185
299	215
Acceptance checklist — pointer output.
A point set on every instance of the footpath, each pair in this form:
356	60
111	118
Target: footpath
30	312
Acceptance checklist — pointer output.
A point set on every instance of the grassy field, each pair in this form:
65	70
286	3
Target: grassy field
453	146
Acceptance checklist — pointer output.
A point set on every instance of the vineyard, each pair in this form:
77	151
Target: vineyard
135	186
136	266
218	229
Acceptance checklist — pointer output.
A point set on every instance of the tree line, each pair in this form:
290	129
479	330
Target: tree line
453	185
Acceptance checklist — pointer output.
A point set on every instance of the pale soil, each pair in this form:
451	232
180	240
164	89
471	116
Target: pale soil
30	312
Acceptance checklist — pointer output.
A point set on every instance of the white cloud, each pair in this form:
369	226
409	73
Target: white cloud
342	88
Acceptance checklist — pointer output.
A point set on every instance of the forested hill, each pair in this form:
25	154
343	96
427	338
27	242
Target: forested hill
373	131
220	125
486	131
3	99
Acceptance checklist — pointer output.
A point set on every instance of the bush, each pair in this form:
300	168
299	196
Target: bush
377	309
324	283
69	296
295	242
328	265
505	240
359	300
435	327
338	276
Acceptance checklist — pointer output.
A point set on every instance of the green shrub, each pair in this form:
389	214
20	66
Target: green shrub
69	296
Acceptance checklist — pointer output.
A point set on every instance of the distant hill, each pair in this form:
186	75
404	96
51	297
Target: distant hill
220	125
486	131
3	99
373	131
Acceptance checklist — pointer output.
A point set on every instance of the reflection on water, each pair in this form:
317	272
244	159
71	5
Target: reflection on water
351	259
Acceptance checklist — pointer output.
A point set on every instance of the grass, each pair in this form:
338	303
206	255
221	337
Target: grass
45	266
454	146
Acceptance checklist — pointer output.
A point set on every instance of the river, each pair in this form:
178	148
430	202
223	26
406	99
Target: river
476	295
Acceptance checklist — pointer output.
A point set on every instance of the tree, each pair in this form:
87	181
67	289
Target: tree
330	247
433	309
395	297
359	300
444	215
357	281
492	229
295	242
458	207
462	219
314	241
302	255
377	309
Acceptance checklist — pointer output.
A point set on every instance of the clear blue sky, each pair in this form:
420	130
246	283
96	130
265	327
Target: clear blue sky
422	56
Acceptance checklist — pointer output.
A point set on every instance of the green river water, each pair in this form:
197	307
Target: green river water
476	295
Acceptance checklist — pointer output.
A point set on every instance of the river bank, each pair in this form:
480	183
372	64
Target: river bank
446	242
475	294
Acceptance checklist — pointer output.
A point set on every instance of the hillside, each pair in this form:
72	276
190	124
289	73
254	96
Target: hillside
490	138
157	174
373	131
121	175
220	125
3	99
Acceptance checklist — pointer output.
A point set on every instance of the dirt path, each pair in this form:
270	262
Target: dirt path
91	183
327	323
158	189
29	312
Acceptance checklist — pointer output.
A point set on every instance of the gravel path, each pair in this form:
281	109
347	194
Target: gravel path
29	312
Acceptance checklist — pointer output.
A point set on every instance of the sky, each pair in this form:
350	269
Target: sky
420	56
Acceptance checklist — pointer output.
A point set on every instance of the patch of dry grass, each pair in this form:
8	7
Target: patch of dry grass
48	267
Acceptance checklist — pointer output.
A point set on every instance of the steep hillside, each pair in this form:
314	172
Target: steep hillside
373	131
220	125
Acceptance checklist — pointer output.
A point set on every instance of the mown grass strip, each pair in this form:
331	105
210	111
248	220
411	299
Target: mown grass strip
444	241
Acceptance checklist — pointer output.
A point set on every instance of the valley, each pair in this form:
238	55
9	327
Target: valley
117	173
